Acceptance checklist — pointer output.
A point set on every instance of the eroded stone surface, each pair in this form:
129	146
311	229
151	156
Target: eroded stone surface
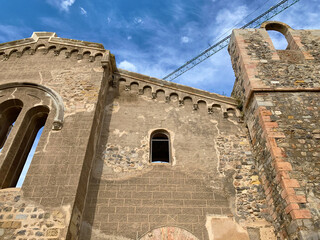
279	90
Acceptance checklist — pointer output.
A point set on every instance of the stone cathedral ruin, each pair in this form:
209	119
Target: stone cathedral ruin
127	156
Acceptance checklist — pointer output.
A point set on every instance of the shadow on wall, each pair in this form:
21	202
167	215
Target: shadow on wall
91	205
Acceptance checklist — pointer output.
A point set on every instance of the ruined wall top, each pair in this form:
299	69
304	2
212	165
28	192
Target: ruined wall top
260	66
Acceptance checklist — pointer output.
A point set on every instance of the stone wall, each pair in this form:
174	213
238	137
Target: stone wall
279	91
74	71
92	165
211	175
23	219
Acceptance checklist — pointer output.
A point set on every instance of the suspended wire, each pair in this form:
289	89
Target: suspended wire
271	12
239	22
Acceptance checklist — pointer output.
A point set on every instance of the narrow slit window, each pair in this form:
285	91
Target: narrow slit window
160	148
25	139
9	112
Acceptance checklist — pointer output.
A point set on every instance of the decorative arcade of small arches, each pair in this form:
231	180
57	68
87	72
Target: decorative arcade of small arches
197	103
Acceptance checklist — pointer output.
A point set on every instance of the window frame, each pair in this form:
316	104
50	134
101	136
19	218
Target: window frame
166	133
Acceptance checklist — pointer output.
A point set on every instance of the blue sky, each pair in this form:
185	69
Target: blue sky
152	37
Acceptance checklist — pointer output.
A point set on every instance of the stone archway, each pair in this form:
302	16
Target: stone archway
169	233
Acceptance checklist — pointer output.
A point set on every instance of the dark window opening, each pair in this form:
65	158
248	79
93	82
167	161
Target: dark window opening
160	148
9	112
33	121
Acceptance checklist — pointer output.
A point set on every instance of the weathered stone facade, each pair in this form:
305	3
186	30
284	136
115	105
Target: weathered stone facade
228	175
279	91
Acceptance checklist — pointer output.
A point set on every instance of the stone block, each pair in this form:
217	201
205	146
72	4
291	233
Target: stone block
300	214
158	218
21	216
197	211
6	224
287	191
116	202
291	206
188	219
137	218
162	195
283	166
118	217
142	195
52	232
123	210
289	183
147	210
198	203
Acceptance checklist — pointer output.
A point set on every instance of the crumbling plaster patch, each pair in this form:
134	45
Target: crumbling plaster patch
78	88
222	227
168	233
126	159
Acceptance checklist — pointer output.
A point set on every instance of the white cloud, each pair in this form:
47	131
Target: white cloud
169	45
62	5
66	4
185	39
129	37
127	66
138	20
83	11
227	18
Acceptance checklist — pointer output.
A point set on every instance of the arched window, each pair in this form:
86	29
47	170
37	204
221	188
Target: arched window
9	112
279	34
24	118
160	147
33	120
278	39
